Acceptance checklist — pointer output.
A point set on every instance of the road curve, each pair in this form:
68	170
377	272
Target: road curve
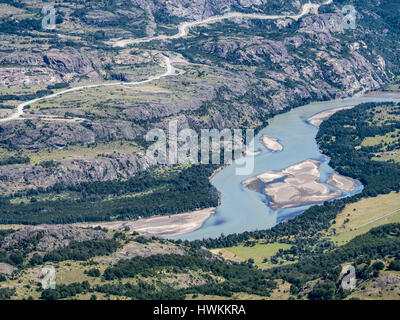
20	108
183	30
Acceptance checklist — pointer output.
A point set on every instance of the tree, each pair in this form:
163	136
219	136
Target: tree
394	265
93	273
323	291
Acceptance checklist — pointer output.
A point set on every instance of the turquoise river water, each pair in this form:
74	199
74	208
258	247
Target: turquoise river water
244	210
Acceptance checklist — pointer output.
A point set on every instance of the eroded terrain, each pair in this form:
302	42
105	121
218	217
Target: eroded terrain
233	73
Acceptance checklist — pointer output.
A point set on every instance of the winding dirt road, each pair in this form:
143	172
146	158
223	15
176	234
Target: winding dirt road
20	108
183	31
157	225
183	28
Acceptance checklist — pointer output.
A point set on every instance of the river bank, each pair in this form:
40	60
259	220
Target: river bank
320	117
160	226
243	209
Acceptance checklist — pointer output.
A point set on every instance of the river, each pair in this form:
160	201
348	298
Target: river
244	210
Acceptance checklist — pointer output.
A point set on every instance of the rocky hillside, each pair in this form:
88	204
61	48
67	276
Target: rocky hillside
46	238
235	73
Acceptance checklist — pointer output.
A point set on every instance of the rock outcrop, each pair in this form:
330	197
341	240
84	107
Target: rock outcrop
53	66
6	268
223	79
72	171
45	238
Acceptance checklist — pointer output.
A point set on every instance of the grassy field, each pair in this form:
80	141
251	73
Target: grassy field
394	155
106	102
383	116
360	217
386	139
74	151
258	252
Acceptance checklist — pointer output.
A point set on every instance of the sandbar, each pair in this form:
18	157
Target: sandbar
294	186
271	143
341	182
161	226
320	117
